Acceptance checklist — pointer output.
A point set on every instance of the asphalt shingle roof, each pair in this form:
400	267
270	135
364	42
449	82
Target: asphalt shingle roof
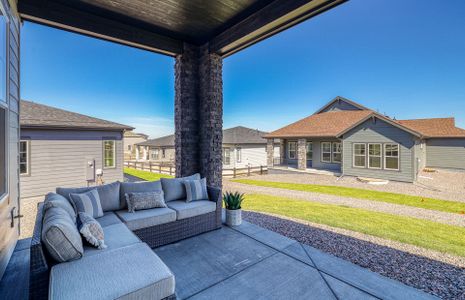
434	128
35	115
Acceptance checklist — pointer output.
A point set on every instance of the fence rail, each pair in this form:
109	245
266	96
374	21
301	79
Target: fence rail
171	170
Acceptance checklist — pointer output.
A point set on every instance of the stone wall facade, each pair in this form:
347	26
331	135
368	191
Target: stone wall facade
269	153
301	154
199	113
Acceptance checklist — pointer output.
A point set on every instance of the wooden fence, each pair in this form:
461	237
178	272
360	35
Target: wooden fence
171	170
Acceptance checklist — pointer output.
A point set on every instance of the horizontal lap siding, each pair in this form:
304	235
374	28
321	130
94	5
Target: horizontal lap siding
55	163
380	132
445	153
316	160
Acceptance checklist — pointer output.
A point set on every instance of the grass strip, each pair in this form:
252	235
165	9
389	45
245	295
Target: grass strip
146	175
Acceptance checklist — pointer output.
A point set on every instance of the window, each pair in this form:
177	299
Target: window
163	153
109	154
226	156
391	156
360	155
337	152
3	156
374	156
3	109
326	152
23	157
238	154
309	150
155	154
292	150
129	147
3	58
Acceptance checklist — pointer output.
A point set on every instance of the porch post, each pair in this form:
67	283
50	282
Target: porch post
302	154
199	113
269	152
282	152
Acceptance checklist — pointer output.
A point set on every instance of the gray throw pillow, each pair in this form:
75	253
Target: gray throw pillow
137	187
109	194
146	200
55	200
88	202
174	188
196	190
91	230
60	235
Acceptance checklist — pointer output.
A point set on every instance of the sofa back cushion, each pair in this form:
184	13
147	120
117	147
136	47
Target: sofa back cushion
60	235
174	188
196	190
88	202
56	200
137	187
109	194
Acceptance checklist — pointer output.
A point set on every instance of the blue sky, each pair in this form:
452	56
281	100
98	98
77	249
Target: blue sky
404	58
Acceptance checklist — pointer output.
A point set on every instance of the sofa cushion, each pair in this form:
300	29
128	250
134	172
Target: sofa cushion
191	209
109	218
147	218
145	200
88	202
131	272
196	189
137	187
116	236
109	194
56	200
174	188
61	236
91	230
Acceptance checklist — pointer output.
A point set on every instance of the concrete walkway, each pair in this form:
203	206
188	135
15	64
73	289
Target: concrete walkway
402	210
250	262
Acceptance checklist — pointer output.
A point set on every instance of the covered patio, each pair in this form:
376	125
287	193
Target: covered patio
246	262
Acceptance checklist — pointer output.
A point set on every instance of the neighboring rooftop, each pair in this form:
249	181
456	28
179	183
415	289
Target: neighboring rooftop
35	115
435	128
132	134
235	135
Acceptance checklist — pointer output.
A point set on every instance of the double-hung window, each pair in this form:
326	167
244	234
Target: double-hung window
359	155
374	156
109	154
155	154
292	150
326	152
3	107
337	152
3	154
226	156
309	150
391	156
24	157
238	154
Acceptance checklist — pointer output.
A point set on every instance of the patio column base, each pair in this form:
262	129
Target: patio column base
269	152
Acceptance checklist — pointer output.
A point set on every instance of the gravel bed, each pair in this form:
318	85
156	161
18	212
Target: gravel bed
435	277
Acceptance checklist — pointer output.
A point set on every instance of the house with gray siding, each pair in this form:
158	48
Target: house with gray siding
63	148
347	138
242	147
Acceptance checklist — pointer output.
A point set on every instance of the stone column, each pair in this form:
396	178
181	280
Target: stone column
269	153
137	152
199	114
282	151
302	154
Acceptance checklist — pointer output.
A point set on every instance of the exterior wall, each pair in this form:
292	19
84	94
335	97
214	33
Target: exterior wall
131	141
380	132
59	159
170	154
316	162
251	154
9	235
340	105
445	153
420	156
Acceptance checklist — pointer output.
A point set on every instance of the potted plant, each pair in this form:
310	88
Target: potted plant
232	203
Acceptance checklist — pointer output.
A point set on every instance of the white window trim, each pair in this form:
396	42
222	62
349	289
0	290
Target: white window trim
330	152
5	105
28	158
289	150
354	155
380	156
114	154
238	154
398	157
224	156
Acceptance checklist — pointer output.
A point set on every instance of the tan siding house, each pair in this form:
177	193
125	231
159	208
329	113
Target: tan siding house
77	151
129	143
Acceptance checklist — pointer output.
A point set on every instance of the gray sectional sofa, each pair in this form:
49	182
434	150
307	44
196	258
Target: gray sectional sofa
127	268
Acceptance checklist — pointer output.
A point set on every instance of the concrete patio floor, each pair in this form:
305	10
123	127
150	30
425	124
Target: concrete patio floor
249	262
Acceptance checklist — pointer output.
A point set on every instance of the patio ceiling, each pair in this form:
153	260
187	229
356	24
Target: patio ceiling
163	26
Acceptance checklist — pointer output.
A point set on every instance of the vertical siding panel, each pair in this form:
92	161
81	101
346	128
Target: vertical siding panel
445	153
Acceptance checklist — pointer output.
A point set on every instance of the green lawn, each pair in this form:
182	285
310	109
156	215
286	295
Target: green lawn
426	234
149	176
422	202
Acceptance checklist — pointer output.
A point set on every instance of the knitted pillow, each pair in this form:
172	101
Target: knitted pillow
91	230
196	190
145	200
88	202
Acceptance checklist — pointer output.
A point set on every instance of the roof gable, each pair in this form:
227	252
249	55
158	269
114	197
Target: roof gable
341	104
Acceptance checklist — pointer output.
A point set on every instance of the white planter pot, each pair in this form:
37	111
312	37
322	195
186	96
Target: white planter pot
233	217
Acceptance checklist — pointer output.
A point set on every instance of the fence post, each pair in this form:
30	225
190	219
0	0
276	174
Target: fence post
261	170
248	170
159	168
234	172
171	170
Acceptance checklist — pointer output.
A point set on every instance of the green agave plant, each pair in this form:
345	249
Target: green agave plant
232	201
